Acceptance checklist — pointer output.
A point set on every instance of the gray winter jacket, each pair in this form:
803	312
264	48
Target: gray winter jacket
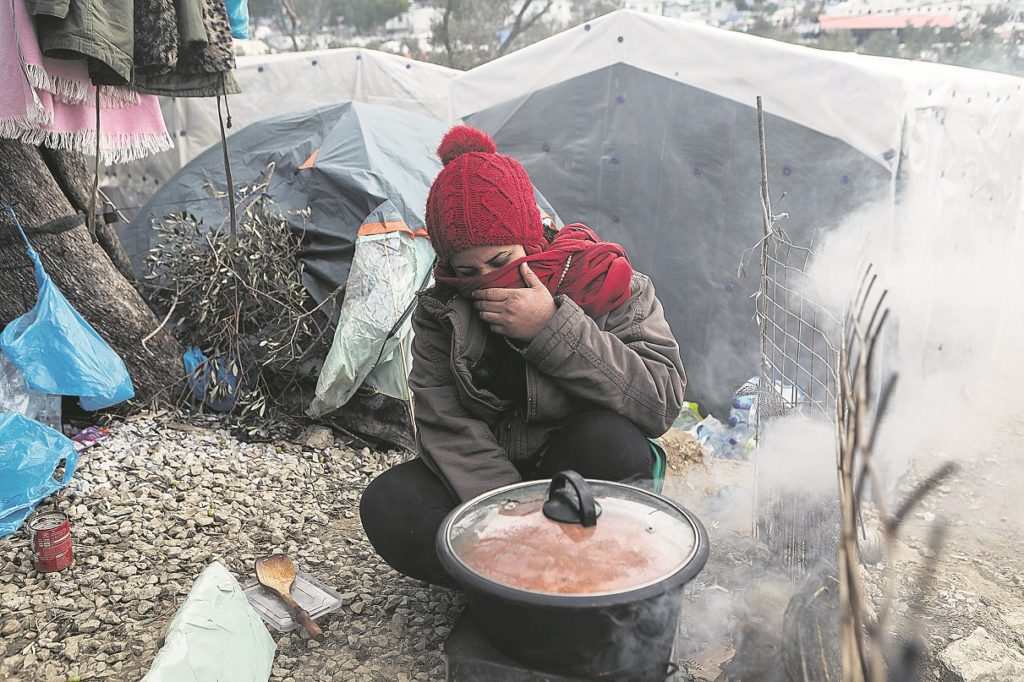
626	361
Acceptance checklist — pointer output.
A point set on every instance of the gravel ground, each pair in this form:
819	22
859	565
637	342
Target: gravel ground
152	506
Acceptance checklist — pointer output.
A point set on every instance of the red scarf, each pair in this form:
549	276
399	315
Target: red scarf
593	273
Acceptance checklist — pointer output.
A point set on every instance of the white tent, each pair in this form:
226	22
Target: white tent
644	127
281	84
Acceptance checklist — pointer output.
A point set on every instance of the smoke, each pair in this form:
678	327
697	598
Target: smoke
955	336
738	615
949	251
796	455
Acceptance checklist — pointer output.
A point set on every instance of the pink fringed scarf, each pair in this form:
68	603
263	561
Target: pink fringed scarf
50	102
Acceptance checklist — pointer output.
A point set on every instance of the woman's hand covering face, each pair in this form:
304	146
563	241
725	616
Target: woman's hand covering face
519	314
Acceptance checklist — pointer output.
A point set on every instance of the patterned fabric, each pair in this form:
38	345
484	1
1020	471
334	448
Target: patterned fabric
191	57
156	36
480	198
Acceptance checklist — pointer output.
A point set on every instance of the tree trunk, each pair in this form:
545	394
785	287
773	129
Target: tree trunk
48	190
73	175
377	416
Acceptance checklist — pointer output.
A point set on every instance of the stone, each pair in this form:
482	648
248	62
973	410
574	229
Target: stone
318	438
71	649
164	503
1014	619
89	626
980	657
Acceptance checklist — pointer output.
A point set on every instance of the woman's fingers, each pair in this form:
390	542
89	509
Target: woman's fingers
498	322
491	317
491	294
490	306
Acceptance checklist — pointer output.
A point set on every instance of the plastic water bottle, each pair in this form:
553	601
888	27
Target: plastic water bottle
735	443
688	418
707	433
744	404
15	396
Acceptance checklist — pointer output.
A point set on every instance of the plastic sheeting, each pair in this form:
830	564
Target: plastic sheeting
238	15
30	454
215	635
644	128
373	340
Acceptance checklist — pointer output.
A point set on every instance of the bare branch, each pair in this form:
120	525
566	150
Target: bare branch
915	496
518	27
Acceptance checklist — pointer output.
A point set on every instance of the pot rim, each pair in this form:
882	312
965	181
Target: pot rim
470	579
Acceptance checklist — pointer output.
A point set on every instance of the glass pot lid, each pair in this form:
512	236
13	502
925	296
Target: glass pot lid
572	537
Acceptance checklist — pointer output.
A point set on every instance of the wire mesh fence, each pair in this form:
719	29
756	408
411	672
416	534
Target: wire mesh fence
799	373
799	335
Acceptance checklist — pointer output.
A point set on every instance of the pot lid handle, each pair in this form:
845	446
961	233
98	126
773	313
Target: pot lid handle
564	507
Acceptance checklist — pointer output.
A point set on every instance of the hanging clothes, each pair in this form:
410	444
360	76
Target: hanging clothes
50	102
99	31
66	79
197	60
156	36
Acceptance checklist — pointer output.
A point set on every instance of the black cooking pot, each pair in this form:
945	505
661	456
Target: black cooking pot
575	577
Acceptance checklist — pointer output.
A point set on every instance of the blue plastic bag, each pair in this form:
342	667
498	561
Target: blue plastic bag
238	13
29	455
58	352
198	368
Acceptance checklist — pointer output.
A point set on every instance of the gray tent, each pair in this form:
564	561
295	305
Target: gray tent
366	155
645	129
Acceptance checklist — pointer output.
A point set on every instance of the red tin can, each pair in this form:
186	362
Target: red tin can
51	541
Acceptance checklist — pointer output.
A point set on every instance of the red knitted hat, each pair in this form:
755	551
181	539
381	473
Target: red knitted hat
480	198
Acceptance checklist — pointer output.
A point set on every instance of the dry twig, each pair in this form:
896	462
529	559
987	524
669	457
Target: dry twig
244	305
867	647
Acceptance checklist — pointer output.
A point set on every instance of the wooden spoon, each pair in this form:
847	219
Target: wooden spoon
277	573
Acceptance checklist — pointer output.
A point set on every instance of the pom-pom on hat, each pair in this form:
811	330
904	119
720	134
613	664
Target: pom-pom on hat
480	198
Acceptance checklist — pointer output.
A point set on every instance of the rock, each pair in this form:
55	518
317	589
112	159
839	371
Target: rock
1014	619
89	627
682	450
980	658
159	505
318	438
71	649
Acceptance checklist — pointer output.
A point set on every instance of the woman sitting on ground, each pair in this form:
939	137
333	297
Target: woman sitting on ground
533	354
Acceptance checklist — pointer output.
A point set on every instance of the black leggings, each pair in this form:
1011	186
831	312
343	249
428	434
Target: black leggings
402	509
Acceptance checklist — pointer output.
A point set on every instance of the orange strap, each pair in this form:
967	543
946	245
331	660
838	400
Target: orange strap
388	226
